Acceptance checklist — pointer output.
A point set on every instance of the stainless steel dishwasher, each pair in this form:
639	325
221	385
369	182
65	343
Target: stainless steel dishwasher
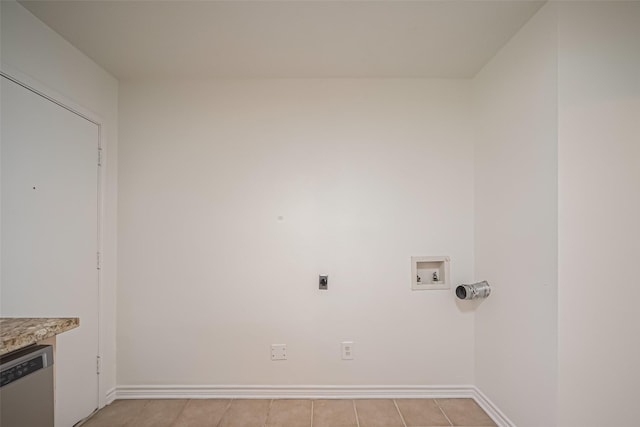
26	387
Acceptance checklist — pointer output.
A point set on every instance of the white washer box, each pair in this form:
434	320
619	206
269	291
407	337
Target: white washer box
430	272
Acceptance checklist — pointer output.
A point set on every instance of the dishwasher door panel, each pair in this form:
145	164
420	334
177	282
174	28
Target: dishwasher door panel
28	401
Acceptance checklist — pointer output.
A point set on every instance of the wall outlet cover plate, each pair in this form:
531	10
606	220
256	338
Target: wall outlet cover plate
278	352
347	350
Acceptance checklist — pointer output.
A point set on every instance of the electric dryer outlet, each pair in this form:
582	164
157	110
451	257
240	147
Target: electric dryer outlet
278	352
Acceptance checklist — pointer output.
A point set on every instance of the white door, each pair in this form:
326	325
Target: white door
49	220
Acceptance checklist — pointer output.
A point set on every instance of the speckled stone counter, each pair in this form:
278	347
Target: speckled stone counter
19	332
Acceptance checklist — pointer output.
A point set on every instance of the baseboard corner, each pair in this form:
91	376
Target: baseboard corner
111	396
491	409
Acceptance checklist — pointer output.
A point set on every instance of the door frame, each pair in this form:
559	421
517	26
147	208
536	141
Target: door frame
51	95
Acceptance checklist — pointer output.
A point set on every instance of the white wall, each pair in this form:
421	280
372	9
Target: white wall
516	224
32	49
364	173
599	211
568	82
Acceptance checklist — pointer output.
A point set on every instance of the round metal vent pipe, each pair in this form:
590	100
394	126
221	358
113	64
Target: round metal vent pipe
474	291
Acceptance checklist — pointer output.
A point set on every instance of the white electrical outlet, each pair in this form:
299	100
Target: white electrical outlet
278	352
347	350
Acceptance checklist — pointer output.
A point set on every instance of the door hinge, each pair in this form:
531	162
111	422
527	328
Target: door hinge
98	261
99	156
98	365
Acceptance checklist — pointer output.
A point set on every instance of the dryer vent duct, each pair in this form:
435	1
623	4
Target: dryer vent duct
475	291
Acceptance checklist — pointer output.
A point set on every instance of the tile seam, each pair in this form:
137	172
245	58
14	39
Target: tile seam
442	410
266	420
224	412
404	423
135	417
177	418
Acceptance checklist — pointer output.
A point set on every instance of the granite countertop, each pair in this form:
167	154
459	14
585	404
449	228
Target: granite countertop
19	332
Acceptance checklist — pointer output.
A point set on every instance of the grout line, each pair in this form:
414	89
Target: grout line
356	412
268	413
311	412
224	412
404	423
180	413
135	417
442	410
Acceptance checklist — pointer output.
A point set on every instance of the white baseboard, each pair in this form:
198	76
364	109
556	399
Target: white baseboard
491	409
111	396
308	392
289	392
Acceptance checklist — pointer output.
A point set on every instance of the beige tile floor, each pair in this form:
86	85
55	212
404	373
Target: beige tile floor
291	413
